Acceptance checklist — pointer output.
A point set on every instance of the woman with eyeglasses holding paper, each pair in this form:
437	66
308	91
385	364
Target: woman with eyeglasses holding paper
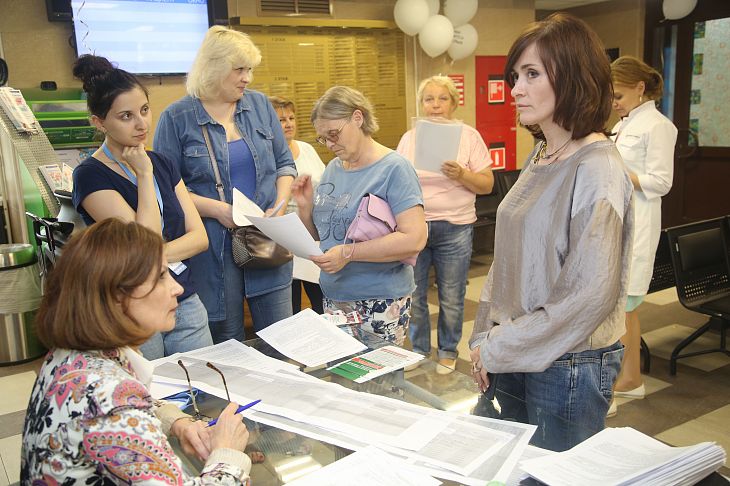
90	418
551	312
123	180
365	276
251	154
449	197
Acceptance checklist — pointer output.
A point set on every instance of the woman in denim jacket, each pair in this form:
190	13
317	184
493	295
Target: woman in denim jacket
252	156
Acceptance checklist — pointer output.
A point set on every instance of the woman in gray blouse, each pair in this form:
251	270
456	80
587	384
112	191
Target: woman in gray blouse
552	309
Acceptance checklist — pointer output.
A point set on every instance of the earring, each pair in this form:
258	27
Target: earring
641	98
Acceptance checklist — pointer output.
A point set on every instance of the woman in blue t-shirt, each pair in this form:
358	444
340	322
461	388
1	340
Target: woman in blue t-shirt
367	277
123	180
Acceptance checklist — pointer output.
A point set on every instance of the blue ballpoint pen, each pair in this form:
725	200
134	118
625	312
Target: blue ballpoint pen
240	409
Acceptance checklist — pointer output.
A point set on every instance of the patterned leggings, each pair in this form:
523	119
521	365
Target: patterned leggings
388	318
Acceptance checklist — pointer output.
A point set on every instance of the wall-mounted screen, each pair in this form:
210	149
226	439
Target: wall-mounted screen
141	36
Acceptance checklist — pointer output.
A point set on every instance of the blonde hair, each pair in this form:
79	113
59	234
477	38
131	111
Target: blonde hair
442	82
629	71
340	102
222	50
280	103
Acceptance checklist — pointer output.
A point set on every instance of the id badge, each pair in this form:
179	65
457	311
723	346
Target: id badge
177	267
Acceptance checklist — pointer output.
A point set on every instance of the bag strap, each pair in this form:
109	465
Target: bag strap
214	163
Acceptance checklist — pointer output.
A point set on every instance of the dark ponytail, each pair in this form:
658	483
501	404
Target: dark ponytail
103	82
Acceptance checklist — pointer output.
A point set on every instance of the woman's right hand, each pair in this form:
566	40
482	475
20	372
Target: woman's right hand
229	432
302	191
136	157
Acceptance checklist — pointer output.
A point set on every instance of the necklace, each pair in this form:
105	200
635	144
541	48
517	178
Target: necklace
543	155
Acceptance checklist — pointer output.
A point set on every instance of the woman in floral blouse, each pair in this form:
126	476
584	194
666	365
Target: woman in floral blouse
91	418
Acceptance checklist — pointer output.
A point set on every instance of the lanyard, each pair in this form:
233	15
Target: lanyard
133	179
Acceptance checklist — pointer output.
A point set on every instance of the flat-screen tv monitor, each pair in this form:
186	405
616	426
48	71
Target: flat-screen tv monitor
156	37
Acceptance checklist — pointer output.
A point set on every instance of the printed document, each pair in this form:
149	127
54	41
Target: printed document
436	142
289	232
307	338
368	467
243	207
375	363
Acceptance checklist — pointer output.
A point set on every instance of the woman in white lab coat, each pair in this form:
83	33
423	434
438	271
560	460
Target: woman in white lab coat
645	138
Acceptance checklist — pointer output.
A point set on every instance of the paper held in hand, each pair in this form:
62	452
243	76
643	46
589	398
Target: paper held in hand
436	142
287	230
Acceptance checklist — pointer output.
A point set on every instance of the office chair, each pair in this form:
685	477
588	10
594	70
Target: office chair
700	258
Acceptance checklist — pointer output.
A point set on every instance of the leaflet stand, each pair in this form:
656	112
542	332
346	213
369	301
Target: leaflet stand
34	150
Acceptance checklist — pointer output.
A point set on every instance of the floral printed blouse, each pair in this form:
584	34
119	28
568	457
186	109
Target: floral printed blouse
91	420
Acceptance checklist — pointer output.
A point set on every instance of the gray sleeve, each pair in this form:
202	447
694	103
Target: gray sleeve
482	323
583	296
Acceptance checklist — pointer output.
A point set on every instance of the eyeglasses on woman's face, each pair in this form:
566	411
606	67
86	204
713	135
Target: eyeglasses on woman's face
333	135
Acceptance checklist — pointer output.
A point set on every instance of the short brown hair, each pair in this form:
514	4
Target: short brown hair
629	71
282	103
577	67
87	293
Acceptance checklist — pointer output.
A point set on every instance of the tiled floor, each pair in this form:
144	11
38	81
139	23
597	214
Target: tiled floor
688	408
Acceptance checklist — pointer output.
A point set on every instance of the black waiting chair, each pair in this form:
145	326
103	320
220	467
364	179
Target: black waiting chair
702	271
505	179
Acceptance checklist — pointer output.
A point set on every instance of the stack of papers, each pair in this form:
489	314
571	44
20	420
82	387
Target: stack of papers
623	456
375	363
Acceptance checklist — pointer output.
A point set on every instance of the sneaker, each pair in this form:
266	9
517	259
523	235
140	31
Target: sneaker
638	392
612	409
446	366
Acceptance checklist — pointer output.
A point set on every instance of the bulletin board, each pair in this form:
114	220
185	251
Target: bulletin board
302	63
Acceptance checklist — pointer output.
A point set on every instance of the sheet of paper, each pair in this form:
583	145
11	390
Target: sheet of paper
289	232
375	363
307	338
305	269
367	467
436	142
244	207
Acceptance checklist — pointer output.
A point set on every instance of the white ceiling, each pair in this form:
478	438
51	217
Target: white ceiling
562	4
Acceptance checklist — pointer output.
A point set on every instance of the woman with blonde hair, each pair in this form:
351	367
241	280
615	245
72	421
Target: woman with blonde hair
449	197
90	418
367	276
221	117
645	139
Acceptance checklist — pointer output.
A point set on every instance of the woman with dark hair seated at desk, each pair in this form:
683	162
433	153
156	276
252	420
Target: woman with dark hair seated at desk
90	417
552	309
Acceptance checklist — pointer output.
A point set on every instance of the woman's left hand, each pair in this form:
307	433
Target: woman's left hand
194	437
478	372
452	169
334	259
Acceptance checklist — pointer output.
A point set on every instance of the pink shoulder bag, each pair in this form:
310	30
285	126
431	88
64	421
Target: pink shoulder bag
373	219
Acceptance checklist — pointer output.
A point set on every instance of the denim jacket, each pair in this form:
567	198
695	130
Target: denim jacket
179	136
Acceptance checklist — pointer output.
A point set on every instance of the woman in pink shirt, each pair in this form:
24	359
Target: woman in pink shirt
449	197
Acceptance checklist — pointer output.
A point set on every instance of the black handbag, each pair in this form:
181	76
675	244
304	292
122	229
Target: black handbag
251	248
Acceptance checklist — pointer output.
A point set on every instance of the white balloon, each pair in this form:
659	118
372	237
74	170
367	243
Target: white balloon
411	15
677	9
464	43
460	11
436	35
433	7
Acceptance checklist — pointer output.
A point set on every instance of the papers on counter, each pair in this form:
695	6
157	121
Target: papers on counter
307	338
436	142
367	467
623	456
375	363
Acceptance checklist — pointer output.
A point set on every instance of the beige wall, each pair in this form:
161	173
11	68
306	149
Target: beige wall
38	50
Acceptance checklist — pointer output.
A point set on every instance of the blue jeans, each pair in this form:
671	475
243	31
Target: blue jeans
266	309
568	401
448	249
191	331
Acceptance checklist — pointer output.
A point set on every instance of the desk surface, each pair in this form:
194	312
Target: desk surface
289	455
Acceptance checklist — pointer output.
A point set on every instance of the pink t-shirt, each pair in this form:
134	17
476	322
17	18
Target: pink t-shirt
444	198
